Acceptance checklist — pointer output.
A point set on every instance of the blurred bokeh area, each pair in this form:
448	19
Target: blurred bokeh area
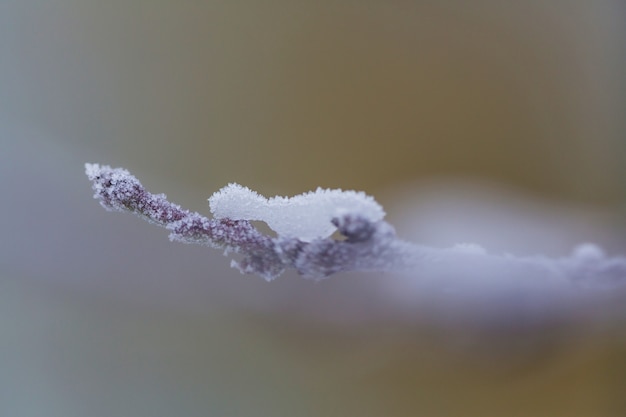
494	122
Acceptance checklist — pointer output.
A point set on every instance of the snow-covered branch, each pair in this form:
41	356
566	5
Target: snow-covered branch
304	224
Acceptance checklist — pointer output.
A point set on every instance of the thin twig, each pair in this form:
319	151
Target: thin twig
368	246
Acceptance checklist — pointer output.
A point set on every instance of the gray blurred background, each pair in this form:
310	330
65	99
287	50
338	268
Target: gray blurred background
494	122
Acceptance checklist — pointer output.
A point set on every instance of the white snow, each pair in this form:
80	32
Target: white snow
305	216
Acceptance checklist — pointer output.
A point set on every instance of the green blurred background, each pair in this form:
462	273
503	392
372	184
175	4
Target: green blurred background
101	316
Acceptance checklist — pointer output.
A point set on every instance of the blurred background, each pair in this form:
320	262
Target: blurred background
494	122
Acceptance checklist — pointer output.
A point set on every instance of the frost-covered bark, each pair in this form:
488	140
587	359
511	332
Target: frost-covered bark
304	223
369	245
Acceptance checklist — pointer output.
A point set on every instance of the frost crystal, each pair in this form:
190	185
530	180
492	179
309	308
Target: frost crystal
306	216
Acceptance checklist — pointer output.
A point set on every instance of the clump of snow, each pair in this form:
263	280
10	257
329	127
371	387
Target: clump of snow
305	216
588	252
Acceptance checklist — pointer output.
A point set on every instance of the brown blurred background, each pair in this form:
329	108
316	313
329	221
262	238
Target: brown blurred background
100	315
